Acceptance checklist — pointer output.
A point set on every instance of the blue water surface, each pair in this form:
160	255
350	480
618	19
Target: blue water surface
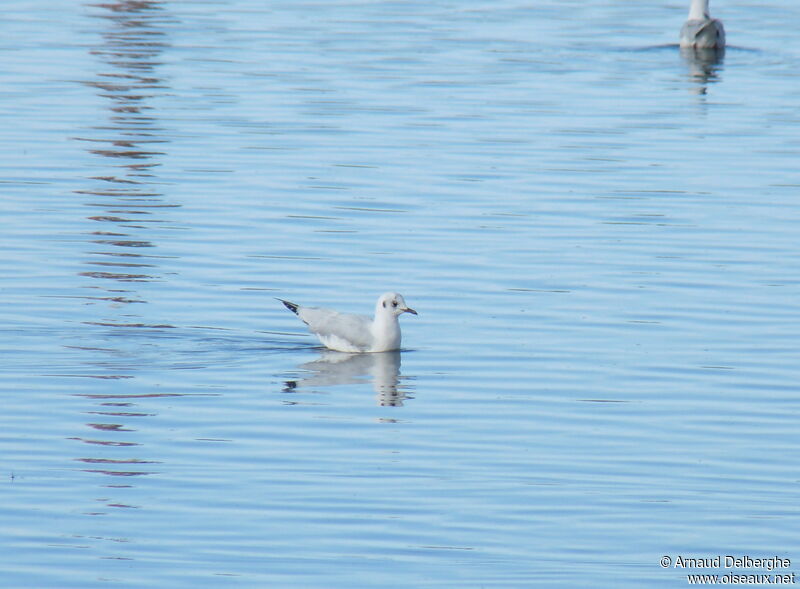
600	235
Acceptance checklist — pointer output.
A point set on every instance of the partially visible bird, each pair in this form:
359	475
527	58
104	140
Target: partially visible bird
701	31
344	332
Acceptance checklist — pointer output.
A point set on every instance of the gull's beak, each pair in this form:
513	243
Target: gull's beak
409	310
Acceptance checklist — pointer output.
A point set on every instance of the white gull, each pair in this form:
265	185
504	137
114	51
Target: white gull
344	332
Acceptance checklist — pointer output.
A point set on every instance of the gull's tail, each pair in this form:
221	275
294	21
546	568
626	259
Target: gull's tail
291	306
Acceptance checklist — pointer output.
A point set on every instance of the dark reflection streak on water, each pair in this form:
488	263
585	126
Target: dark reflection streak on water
111	461
105	442
89	298
139	395
109	427
126	201
129	56
99	376
121	413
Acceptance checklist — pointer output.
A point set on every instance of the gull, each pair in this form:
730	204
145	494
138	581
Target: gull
343	332
701	31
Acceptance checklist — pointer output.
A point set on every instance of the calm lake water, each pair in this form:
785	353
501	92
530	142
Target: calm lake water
601	236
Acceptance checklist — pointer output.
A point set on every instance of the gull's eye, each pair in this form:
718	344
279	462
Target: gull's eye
394	303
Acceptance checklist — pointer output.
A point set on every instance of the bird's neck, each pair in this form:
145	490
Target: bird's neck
385	321
698	10
386	331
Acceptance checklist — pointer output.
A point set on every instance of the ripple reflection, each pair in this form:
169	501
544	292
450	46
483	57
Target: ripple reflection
127	209
704	66
338	368
126	200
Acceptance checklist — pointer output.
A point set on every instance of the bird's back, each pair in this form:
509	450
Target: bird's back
703	34
339	331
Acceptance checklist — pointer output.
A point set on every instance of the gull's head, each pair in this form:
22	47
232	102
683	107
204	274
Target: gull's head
393	304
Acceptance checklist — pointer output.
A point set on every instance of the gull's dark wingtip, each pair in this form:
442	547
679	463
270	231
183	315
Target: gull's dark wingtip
291	306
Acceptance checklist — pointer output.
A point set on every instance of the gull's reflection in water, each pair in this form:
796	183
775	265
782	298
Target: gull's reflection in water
704	65
339	368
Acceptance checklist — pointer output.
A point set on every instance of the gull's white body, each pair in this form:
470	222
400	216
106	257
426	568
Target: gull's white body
700	31
344	332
